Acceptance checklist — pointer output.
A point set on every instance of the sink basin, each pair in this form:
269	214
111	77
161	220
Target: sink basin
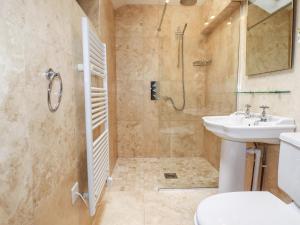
236	127
236	130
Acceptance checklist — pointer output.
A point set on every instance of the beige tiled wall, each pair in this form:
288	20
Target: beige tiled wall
222	73
221	78
42	153
149	128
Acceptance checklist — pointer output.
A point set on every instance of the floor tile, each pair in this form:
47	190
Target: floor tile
137	195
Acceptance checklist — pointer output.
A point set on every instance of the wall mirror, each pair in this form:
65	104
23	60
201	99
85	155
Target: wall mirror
270	35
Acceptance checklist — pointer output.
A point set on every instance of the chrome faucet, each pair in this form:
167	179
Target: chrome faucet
247	111
263	117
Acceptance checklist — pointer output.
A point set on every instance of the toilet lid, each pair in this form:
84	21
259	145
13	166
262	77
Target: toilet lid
245	208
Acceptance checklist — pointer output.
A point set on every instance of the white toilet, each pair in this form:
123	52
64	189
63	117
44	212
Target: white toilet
260	208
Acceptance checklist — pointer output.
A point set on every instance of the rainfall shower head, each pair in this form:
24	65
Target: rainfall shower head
188	2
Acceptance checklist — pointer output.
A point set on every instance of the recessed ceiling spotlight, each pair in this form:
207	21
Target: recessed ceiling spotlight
212	17
206	23
229	22
167	1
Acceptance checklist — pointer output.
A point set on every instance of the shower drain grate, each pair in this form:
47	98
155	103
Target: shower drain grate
170	175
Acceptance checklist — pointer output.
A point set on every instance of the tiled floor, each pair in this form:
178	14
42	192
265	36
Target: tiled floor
148	173
134	199
191	172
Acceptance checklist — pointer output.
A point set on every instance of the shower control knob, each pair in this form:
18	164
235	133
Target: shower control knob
154	89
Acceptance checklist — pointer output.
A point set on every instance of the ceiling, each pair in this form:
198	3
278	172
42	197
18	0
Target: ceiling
119	3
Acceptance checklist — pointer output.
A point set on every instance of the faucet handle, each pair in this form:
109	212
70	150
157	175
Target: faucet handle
247	111
264	114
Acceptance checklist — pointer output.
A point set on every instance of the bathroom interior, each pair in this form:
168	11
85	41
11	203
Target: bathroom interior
149	112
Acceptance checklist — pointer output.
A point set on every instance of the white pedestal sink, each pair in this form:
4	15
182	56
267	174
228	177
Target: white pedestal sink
236	130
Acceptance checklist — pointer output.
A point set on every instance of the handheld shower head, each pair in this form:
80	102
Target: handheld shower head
188	2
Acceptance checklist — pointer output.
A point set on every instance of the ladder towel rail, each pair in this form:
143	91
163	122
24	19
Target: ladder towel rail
96	114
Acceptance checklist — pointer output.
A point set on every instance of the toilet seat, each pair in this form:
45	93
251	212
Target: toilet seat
245	208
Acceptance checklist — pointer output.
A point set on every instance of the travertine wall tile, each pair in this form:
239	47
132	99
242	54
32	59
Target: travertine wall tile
221	80
42	154
212	148
128	25
16	205
130	138
130	100
129	51
143	54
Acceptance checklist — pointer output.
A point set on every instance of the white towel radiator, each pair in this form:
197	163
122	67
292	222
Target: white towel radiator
96	113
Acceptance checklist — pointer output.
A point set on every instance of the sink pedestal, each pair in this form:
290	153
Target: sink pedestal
232	166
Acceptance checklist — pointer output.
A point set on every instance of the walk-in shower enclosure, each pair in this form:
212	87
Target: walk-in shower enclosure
153	129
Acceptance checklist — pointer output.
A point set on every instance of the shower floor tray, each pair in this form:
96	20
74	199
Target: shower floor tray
150	174
191	173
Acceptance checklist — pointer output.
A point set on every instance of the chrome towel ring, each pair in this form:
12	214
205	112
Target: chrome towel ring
52	76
